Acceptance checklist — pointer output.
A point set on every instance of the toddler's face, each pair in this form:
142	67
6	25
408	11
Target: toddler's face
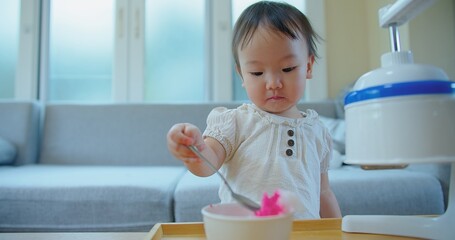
274	69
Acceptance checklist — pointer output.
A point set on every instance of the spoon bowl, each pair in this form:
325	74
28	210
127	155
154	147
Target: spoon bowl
245	201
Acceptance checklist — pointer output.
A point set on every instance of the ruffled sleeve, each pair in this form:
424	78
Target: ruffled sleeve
327	149
221	125
324	137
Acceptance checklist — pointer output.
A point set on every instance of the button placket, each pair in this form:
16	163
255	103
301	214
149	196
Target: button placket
291	143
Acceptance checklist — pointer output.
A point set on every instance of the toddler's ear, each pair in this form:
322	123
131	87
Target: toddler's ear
309	68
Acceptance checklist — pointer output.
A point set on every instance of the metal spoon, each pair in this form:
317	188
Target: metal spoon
246	202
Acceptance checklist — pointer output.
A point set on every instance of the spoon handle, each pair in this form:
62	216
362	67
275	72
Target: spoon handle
199	154
248	203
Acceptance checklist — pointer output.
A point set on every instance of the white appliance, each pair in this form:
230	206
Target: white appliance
402	113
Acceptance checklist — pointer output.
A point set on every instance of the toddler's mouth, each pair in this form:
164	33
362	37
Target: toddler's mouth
275	98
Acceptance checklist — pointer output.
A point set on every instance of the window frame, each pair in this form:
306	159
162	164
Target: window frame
129	48
27	68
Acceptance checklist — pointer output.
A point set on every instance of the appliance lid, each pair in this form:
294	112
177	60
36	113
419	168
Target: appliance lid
401	89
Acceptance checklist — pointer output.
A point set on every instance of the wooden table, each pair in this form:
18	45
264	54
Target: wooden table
74	236
301	229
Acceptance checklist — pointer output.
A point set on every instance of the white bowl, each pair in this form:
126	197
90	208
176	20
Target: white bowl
232	221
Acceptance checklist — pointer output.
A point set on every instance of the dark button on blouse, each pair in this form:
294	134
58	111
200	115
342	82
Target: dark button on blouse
289	152
290	133
290	142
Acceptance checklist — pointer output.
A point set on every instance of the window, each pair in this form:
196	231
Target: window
175	51
80	50
102	59
124	50
9	42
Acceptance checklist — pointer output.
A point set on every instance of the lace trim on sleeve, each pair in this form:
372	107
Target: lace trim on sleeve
222	127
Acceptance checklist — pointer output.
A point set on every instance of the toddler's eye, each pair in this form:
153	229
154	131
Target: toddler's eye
257	74
289	69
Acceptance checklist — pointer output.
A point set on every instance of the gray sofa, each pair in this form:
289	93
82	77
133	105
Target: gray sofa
107	168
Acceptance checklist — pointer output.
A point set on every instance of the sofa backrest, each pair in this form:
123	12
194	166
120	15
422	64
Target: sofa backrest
19	125
122	134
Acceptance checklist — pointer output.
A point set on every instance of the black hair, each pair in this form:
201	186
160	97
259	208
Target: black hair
279	16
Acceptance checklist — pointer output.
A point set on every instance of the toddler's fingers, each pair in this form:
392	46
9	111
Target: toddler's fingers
194	133
191	160
180	135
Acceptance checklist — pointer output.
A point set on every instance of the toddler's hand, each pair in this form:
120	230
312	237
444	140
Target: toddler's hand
182	135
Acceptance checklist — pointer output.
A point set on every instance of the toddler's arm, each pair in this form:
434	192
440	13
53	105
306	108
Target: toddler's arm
181	135
329	205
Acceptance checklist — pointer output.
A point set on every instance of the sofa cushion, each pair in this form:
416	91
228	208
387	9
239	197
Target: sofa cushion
337	129
192	194
7	152
359	192
337	160
440	170
86	198
386	192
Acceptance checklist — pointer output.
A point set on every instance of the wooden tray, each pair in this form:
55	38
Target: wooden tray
301	229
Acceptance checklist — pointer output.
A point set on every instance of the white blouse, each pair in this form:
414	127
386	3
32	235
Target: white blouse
266	152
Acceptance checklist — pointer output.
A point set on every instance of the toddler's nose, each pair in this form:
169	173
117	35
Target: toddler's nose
274	81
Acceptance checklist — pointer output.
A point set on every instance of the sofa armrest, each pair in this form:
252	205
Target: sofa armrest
19	125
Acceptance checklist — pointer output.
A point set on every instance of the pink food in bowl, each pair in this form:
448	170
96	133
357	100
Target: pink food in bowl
281	202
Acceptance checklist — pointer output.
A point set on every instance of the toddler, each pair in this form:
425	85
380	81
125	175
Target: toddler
267	144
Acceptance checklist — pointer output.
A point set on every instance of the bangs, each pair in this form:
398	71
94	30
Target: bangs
277	19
